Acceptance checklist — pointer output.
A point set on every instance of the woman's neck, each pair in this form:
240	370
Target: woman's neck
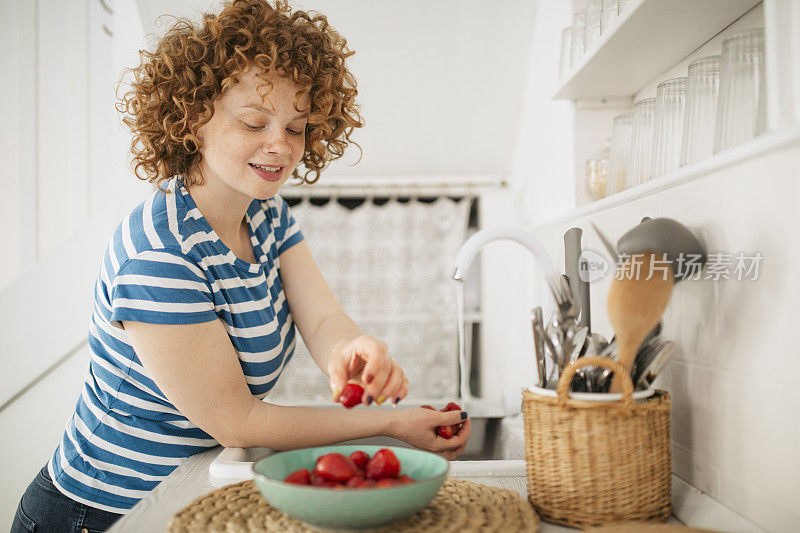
222	207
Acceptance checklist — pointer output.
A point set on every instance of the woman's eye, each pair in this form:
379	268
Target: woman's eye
256	128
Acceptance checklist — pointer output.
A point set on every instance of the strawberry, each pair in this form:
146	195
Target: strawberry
335	467
384	464
405	480
360	459
316	479
452	406
351	395
446	432
355	482
386	482
299	477
443	431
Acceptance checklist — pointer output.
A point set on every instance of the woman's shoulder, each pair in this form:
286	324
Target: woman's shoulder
155	225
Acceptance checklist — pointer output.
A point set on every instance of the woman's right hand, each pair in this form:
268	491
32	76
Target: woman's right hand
417	426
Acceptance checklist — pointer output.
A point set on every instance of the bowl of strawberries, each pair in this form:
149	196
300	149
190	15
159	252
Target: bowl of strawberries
350	486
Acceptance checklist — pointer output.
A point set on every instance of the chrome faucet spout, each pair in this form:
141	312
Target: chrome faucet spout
474	244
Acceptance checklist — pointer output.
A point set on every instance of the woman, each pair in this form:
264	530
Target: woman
202	284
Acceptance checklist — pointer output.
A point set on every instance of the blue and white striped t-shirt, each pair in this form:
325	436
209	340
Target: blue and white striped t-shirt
166	265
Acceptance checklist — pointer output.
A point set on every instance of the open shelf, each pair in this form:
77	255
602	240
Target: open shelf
761	145
649	37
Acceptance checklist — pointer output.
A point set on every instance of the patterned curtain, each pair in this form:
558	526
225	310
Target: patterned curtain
390	268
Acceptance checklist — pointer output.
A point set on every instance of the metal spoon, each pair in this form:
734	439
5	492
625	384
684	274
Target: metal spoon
659	359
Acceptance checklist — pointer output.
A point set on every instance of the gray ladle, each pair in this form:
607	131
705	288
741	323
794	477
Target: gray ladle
665	236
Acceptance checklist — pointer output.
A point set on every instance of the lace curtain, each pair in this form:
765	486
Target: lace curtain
390	268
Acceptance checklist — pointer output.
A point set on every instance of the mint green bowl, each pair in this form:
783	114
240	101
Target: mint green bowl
352	508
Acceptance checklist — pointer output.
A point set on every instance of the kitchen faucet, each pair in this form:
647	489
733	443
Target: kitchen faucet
468	252
474	244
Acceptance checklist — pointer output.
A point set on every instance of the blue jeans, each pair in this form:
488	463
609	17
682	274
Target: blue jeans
44	508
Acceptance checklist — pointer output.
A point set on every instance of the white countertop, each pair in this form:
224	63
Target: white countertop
192	480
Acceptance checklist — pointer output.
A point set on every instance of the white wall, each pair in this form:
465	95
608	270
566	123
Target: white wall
66	186
35	423
440	84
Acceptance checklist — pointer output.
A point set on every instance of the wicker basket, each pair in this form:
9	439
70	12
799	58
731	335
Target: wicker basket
597	463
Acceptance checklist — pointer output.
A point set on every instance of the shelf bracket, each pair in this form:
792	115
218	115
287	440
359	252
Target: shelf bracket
605	102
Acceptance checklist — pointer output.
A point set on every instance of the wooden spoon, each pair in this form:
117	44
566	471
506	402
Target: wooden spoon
635	304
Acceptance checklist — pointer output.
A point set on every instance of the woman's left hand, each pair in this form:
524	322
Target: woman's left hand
365	359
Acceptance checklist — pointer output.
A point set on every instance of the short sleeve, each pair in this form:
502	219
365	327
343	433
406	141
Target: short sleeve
287	230
161	287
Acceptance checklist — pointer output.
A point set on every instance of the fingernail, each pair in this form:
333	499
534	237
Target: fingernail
369	400
336	393
381	399
463	415
396	401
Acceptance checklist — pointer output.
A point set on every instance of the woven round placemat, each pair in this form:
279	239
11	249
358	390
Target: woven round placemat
462	506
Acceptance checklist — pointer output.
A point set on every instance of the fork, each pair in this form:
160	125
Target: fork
559	287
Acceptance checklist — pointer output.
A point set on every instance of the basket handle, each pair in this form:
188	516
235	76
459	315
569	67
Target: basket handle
565	380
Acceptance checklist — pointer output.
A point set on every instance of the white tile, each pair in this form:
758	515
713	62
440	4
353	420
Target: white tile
695	508
695	395
695	471
760	507
758	437
697	322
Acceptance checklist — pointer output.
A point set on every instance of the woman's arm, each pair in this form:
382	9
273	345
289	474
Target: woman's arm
320	319
334	340
198	370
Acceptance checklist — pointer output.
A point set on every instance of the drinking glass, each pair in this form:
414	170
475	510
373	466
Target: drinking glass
740	109
578	30
597	174
621	138
642	143
566	43
594	9
699	117
668	130
608	15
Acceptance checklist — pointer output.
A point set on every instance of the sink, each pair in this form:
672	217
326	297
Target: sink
495	449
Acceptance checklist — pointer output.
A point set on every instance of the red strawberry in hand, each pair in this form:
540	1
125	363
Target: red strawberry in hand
447	432
384	464
299	477
360	459
335	467
452	406
351	395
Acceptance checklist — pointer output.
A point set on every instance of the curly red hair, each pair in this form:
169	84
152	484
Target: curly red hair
174	86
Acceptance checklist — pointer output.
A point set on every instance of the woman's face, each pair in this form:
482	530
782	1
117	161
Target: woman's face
245	134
